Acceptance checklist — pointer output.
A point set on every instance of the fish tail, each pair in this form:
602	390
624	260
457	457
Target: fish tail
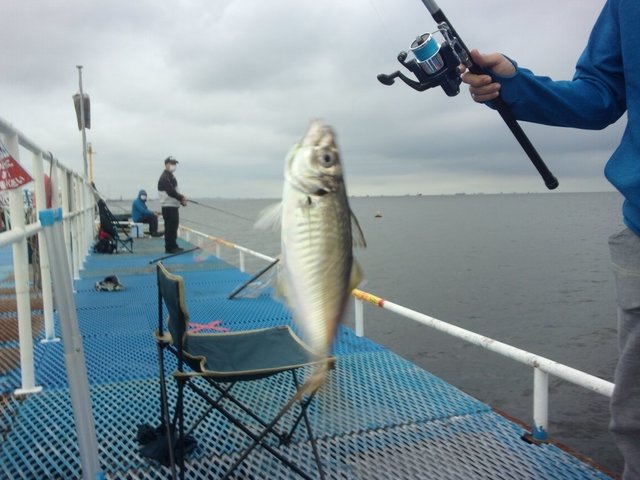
317	379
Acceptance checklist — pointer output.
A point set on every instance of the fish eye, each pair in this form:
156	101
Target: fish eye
327	159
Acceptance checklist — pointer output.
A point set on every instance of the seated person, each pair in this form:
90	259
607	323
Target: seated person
141	214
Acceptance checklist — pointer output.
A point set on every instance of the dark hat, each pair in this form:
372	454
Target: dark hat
170	160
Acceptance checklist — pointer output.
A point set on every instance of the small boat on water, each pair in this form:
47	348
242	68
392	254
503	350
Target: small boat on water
378	214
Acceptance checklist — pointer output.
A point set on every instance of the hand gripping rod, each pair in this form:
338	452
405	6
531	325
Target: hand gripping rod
503	109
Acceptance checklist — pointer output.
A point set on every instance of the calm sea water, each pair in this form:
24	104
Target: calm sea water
531	270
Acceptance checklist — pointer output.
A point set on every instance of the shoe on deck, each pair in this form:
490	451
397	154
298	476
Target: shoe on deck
174	250
157	234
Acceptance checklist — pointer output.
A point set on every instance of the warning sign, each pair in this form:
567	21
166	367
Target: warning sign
12	175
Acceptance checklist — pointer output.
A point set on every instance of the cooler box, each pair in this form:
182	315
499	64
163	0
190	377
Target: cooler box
137	230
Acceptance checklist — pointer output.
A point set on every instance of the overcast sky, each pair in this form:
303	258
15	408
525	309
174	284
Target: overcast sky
227	86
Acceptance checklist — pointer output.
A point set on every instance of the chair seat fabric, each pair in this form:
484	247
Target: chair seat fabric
248	354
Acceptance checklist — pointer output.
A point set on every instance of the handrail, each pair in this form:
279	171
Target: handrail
543	367
76	198
204	241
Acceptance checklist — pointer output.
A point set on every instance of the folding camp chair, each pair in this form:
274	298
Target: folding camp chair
216	362
110	225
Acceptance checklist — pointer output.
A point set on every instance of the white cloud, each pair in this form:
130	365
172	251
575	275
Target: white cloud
228	86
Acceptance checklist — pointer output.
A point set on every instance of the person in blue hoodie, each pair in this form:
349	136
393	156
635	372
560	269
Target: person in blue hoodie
141	214
606	84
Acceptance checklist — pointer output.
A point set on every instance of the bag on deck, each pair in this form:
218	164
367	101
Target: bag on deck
105	243
109	284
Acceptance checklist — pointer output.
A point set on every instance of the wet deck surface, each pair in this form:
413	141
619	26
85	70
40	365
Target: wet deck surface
380	417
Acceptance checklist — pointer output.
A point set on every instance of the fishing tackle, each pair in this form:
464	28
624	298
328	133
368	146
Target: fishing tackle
437	64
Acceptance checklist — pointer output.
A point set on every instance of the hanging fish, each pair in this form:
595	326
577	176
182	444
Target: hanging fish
318	233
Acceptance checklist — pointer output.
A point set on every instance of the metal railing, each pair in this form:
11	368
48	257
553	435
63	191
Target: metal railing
209	242
74	195
542	367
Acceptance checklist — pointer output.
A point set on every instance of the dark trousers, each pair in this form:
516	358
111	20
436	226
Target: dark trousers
152	220
171	221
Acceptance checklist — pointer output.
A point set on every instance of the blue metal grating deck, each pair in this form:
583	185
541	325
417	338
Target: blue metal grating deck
379	417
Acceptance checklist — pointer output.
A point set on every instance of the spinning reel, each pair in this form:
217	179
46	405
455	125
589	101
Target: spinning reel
434	64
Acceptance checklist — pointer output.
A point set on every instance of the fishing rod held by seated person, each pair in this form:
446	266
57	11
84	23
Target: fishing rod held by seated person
437	64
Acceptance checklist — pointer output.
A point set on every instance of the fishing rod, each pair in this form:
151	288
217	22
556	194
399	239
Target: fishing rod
173	255
252	279
437	64
219	210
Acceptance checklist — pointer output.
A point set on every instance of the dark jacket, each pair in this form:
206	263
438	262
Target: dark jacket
168	190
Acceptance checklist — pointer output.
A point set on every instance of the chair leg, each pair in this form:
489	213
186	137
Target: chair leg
179	425
225	395
304	414
164	410
314	445
258	439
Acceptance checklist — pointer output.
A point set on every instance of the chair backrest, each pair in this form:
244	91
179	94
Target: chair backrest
171	292
106	219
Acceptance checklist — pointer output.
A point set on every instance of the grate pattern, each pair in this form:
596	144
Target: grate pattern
480	445
378	417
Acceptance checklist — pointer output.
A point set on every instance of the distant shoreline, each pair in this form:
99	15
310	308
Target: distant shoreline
427	195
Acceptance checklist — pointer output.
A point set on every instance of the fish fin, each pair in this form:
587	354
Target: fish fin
356	232
317	379
270	217
356	276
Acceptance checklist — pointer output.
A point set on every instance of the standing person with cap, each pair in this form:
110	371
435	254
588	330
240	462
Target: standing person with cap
171	200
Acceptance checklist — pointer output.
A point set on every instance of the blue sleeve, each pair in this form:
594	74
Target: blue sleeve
593	99
139	209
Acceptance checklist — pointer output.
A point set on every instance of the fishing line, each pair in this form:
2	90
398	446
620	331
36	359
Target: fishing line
385	27
221	210
193	222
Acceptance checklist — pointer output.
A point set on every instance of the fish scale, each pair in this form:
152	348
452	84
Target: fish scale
326	259
317	226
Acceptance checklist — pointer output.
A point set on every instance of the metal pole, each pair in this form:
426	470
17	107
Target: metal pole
359	309
45	269
66	207
90	151
559	370
72	342
241	258
74	206
21	275
540	405
84	134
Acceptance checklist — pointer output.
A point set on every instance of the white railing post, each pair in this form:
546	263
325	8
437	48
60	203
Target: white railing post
241	257
88	218
64	200
540	405
21	277
74	225
45	268
359	321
